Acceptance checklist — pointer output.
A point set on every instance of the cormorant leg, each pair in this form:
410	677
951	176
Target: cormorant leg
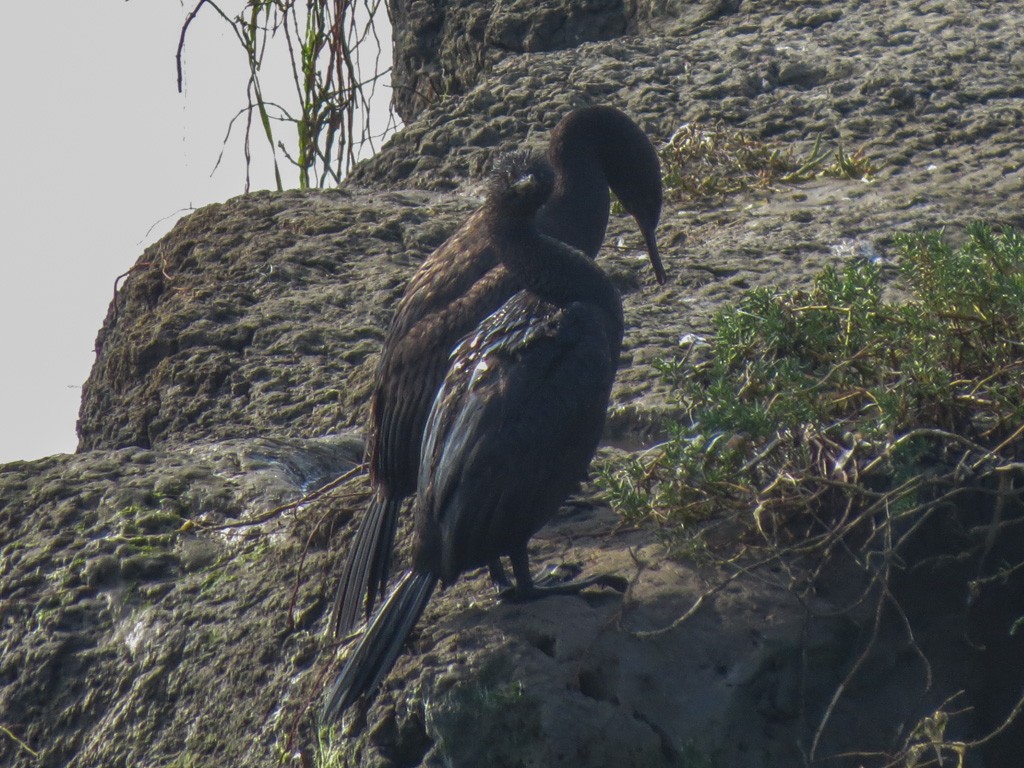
498	576
526	589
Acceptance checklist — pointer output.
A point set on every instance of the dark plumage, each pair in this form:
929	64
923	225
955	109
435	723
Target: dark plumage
459	285
513	427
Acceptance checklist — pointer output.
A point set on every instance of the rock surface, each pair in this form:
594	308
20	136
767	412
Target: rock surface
232	374
442	48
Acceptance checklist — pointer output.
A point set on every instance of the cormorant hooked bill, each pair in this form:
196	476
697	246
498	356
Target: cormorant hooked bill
460	284
512	428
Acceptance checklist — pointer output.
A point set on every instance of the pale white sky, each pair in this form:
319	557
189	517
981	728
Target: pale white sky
100	157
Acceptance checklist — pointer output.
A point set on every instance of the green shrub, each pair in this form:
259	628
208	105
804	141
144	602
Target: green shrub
837	395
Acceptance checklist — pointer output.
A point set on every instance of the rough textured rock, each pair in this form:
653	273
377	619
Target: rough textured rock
261	315
442	48
241	347
119	628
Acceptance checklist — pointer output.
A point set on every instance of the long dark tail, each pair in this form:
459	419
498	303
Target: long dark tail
380	645
365	573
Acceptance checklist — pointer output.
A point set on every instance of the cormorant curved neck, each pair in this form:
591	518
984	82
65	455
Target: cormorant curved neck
592	149
548	268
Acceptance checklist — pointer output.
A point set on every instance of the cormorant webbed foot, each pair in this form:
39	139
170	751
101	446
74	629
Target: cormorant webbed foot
554	580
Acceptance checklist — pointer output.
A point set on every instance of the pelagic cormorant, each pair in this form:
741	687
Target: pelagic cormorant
512	428
460	284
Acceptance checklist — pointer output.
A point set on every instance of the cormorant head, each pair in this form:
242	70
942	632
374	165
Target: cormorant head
522	184
629	161
634	174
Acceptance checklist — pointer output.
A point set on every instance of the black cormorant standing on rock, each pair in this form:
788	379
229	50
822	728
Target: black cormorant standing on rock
513	426
460	284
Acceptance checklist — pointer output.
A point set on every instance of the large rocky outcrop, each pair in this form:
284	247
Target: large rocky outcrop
442	48
231	378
